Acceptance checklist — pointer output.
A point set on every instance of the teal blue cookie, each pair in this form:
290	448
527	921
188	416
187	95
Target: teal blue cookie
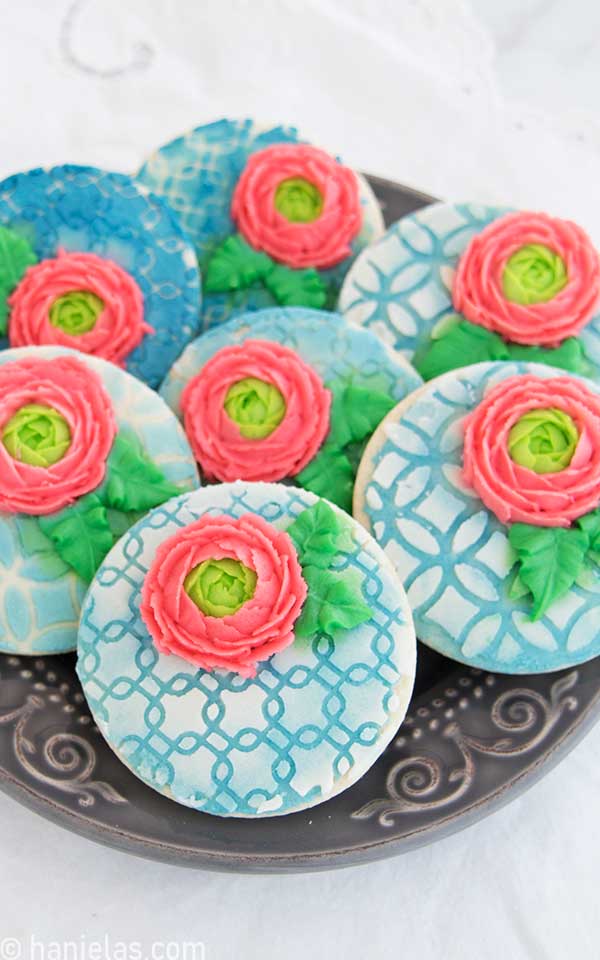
313	719
40	591
400	287
198	172
459	564
78	209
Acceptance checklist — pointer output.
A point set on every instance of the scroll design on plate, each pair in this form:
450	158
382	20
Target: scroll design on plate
421	783
70	759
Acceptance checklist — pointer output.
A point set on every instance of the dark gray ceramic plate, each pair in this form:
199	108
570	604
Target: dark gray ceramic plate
470	743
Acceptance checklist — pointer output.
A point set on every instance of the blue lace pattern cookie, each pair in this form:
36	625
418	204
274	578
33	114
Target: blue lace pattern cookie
198	172
401	288
451	552
40	592
115	244
311	721
344	357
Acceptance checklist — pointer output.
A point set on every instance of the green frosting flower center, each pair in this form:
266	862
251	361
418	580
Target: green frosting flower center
543	440
534	274
298	200
76	312
256	406
37	435
220	587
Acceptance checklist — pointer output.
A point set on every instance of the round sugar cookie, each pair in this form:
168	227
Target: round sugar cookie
272	732
274	220
330	386
92	261
492	579
85	448
458	283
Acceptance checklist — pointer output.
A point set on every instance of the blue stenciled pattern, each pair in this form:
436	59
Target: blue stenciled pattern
40	597
197	174
451	552
334	348
307	726
400	287
88	210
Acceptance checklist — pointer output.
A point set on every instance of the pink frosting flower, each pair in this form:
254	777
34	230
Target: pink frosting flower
219	446
68	386
119	326
478	291
516	493
260	628
322	242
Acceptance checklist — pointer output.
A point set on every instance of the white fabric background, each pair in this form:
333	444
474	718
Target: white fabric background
496	101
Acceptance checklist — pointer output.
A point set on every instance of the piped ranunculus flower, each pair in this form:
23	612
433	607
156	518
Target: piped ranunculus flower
224	593
255	411
532	450
531	278
78	300
57	428
299	205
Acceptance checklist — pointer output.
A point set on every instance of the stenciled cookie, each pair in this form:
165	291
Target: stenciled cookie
91	261
456	284
247	650
274	221
483	489
85	449
286	393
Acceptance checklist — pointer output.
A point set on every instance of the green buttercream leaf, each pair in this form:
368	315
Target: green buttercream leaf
296	288
133	482
31	538
234	265
590	524
307	625
42	563
330	475
118	522
80	534
334	603
455	343
355	413
569	356
15	256
550	558
517	589
319	535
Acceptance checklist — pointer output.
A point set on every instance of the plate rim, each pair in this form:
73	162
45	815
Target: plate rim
129	842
